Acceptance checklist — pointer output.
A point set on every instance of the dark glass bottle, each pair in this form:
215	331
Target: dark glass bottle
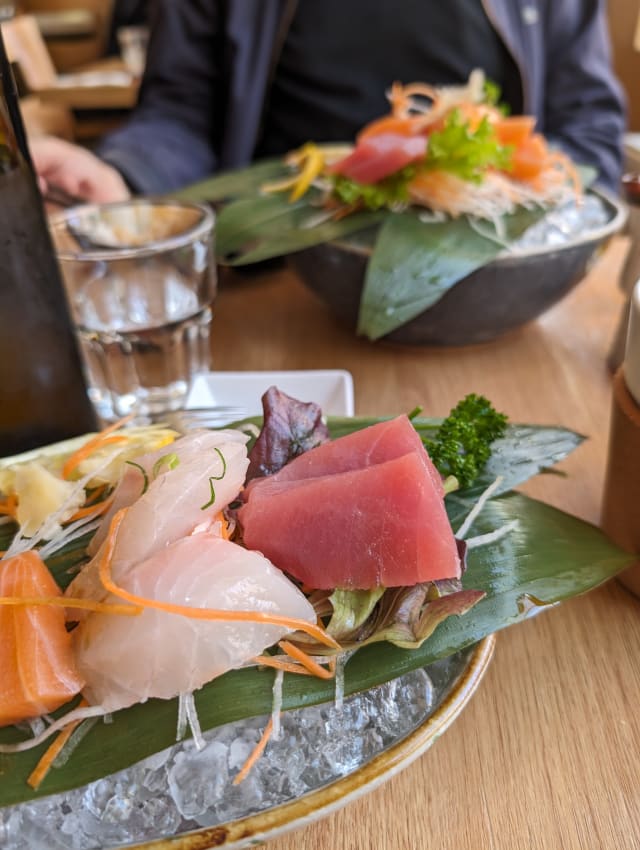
42	390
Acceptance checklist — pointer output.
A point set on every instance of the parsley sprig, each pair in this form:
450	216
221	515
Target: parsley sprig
462	445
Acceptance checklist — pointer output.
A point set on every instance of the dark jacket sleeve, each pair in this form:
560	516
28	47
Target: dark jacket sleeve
584	110
170	140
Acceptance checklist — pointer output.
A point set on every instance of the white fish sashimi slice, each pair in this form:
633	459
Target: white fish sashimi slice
173	505
125	660
131	484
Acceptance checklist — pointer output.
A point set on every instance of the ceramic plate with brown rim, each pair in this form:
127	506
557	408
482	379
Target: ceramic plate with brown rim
323	757
446	687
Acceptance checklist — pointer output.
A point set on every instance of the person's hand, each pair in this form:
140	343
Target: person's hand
76	171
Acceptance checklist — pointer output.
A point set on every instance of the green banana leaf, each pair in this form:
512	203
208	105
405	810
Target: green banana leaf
547	557
251	230
414	263
231	185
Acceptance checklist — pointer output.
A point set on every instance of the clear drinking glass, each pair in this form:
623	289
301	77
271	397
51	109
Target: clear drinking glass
141	280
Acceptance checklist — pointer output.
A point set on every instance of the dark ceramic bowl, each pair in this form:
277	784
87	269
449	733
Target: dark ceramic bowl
509	292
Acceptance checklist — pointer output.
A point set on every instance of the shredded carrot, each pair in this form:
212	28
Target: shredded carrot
97	494
276	662
400	97
224	525
43	767
198	613
71	602
101	439
255	755
300	655
96	509
9	506
569	169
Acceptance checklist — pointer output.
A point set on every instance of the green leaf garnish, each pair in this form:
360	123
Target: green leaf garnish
492	93
169	460
387	193
465	152
143	472
213	478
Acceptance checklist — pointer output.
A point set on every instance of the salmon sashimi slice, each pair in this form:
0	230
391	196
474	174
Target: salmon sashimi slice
37	667
381	525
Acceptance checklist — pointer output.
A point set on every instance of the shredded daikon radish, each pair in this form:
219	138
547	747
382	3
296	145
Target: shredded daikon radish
276	708
492	536
181	726
341	661
56	726
194	721
75	738
475	510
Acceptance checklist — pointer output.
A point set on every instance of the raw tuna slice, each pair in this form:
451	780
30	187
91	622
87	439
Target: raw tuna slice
383	524
367	447
376	157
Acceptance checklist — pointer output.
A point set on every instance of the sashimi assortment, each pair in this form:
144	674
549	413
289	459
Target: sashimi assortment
191	573
452	150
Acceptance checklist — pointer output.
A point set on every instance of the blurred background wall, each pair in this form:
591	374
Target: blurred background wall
624	24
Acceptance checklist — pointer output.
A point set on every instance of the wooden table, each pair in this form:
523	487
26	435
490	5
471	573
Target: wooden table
547	753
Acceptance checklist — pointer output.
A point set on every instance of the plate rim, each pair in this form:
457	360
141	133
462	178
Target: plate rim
264	826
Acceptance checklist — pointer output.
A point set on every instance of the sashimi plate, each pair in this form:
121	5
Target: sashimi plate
526	556
325	757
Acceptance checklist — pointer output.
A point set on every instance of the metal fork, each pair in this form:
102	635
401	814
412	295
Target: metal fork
204	417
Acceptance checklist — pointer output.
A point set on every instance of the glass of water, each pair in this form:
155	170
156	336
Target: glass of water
141	280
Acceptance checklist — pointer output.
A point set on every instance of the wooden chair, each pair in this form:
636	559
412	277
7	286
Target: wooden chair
72	48
85	103
26	49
